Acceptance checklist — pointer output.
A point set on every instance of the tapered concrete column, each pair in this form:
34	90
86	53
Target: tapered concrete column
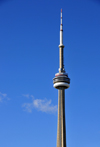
61	130
61	60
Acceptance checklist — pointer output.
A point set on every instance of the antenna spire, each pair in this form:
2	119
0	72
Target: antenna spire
61	30
61	46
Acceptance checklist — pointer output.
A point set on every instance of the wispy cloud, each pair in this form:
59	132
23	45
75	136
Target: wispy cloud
3	97
43	105
25	95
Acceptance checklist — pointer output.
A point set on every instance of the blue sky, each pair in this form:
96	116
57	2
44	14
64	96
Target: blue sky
29	59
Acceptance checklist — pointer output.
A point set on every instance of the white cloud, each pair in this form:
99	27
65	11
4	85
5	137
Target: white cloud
28	107
43	105
3	97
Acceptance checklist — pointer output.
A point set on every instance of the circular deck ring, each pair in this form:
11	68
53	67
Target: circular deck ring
61	84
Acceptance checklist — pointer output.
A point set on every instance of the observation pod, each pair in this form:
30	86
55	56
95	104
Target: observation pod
61	80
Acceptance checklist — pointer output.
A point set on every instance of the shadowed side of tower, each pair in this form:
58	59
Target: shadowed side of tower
61	82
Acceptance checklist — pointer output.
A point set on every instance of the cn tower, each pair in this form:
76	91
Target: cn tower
61	82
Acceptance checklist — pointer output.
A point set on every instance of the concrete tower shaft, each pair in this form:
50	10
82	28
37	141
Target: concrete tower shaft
61	129
61	59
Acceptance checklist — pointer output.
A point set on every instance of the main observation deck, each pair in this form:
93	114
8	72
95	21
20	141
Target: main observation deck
61	80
